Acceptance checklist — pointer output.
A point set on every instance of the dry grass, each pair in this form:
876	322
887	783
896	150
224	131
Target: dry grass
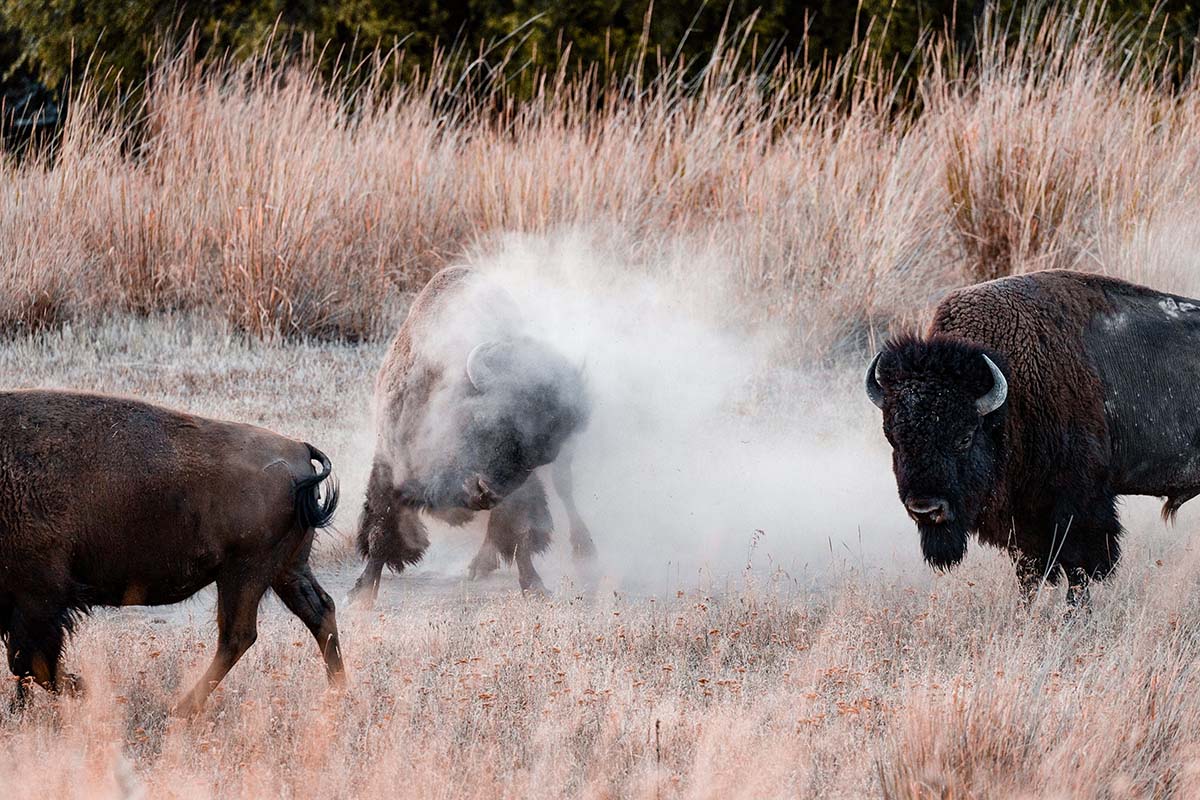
259	204
861	678
268	199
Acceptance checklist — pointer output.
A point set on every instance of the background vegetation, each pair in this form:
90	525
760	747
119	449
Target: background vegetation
59	39
291	203
826	196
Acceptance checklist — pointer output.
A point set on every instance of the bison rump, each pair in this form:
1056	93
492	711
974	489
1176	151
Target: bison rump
134	503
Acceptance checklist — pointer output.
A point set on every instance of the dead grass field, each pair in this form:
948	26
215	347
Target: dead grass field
223	264
866	678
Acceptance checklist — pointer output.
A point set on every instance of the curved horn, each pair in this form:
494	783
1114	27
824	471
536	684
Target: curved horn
477	369
874	390
997	394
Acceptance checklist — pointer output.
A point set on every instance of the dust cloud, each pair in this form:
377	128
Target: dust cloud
709	450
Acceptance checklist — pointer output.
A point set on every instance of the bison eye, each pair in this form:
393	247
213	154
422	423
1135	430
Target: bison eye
964	443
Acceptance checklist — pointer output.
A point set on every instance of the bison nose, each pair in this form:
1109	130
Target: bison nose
928	509
480	496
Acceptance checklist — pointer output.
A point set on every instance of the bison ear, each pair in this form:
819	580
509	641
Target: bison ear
486	364
874	389
995	396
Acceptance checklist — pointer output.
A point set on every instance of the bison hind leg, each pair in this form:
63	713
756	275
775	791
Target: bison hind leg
299	590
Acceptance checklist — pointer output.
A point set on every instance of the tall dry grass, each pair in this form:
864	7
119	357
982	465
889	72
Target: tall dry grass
264	196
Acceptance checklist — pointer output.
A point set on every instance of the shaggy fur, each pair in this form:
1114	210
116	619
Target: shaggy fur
111	502
451	448
1102	376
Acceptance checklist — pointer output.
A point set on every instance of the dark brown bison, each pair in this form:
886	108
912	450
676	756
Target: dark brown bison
1030	405
467	406
106	501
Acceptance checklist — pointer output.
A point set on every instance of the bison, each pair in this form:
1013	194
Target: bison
468	405
106	501
1030	405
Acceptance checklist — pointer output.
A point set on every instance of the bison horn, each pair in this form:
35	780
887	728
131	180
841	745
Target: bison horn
997	394
477	369
483	362
874	389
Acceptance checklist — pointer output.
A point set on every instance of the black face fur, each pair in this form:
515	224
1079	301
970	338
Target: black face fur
532	400
941	446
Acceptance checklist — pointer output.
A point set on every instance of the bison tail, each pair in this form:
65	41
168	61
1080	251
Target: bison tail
311	510
1174	502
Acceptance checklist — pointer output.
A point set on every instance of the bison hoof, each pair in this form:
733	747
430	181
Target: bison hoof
583	549
361	599
486	562
71	684
187	708
536	589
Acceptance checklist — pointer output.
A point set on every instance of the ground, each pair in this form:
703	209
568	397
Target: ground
865	676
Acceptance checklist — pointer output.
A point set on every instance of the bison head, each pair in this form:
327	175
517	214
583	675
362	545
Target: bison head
521	400
943	406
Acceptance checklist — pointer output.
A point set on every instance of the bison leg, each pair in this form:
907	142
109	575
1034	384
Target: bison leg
374	521
486	561
304	597
1032	573
1091	547
519	528
1078	595
35	643
403	542
1095	554
582	546
366	588
389	534
527	576
237	628
1085	545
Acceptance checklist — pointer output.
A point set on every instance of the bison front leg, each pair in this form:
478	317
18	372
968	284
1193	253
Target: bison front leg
390	533
1091	547
519	529
397	540
486	561
1033	572
35	642
1078	594
238	597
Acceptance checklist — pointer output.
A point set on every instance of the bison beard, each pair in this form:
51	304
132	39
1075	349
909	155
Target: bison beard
943	546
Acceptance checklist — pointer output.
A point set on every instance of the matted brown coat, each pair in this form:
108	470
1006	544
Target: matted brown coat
108	501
